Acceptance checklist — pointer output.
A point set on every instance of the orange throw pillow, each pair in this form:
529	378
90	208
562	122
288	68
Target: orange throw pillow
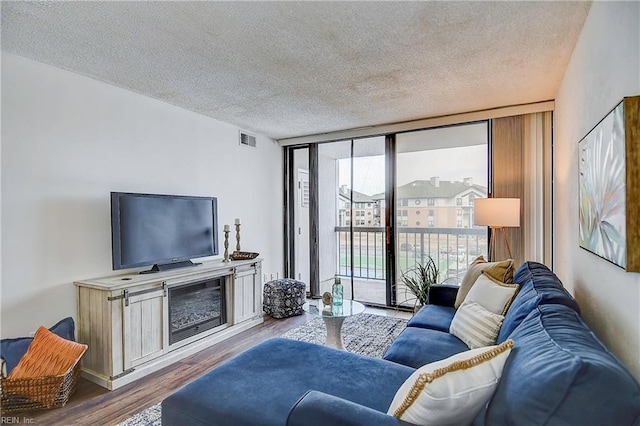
48	355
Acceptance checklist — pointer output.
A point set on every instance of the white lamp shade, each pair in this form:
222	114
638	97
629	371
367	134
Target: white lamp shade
497	212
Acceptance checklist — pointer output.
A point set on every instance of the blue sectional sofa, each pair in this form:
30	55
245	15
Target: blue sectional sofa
558	372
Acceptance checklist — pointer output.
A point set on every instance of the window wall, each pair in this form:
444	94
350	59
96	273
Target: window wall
385	204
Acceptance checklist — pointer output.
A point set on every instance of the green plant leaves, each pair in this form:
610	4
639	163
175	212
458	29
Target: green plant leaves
419	279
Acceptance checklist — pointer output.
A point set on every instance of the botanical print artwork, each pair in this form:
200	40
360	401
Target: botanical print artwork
602	189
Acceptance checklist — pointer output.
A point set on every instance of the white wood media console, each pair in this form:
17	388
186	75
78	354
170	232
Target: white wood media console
124	319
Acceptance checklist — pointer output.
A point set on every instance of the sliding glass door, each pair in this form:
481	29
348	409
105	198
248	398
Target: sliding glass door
439	173
369	210
351	237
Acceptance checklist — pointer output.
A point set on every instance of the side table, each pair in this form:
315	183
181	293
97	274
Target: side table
333	317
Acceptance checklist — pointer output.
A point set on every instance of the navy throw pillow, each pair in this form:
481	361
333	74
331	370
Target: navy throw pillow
11	350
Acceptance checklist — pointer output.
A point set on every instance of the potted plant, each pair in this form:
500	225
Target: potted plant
419	279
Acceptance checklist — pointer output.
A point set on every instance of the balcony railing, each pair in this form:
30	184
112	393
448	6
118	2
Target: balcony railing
451	248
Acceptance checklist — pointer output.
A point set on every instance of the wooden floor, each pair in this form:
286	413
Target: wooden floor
94	405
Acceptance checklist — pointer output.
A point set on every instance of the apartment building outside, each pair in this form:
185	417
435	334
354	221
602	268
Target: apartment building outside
432	203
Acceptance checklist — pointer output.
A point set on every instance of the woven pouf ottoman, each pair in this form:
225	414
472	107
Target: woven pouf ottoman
283	298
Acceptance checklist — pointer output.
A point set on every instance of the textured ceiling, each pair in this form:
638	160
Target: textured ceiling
296	68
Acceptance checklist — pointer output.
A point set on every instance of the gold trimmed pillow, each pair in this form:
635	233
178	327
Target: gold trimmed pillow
502	271
494	295
475	326
451	391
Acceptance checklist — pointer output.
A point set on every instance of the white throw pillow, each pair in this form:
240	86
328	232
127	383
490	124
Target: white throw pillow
502	271
451	391
475	326
493	295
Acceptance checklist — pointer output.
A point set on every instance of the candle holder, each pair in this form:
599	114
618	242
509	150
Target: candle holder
237	237
226	246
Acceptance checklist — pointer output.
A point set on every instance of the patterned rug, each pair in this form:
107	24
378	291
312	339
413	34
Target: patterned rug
148	417
365	334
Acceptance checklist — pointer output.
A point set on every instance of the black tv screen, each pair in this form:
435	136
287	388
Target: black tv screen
166	231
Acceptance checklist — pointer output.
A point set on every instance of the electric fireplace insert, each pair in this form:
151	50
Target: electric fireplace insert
196	307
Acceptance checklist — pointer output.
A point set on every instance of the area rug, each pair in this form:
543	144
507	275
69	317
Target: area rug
148	417
365	334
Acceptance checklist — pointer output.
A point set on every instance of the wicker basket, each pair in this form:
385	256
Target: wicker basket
39	393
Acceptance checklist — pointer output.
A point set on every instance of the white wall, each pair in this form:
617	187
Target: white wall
604	68
67	141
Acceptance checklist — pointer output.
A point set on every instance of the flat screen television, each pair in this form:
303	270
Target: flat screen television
165	231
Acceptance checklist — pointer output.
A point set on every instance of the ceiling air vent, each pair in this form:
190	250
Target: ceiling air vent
247	139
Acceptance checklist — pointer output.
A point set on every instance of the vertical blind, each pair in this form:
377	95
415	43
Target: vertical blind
522	168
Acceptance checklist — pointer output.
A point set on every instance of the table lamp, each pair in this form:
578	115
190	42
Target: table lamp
497	213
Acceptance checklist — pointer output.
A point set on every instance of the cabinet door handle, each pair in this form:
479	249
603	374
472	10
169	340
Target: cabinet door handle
126	298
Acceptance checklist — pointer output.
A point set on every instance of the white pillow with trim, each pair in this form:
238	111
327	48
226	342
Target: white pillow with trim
451	392
475	325
493	295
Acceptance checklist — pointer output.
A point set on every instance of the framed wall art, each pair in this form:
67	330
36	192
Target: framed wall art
609	187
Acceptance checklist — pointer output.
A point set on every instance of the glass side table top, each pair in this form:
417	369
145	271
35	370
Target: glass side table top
347	309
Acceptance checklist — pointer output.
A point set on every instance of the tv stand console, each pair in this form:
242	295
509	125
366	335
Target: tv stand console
136	324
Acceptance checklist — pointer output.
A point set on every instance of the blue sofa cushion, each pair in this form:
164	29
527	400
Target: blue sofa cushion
416	347
538	286
443	294
435	317
11	350
560	373
260	386
320	409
